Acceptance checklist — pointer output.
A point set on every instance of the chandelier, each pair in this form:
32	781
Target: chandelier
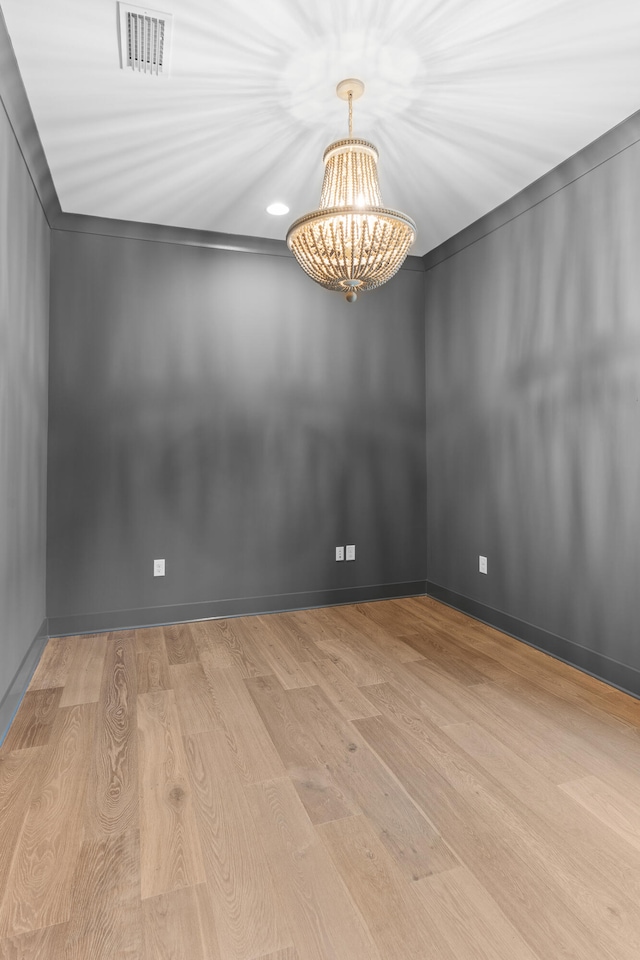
352	242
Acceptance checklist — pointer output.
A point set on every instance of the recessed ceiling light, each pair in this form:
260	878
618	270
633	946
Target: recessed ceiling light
277	209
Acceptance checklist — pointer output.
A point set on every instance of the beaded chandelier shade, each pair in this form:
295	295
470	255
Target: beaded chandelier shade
352	242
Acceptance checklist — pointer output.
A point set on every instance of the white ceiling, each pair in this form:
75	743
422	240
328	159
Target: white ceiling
468	101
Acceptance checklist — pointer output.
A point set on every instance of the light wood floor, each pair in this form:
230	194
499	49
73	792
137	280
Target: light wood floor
387	781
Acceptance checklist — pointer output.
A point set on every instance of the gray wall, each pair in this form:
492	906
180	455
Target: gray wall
24	317
533	416
222	411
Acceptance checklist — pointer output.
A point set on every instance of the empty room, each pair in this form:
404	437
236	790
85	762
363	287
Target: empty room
319	480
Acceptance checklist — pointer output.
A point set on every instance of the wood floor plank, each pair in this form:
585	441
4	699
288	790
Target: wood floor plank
38	889
378	633
84	673
152	663
357	664
322	623
173	929
409	703
31	726
106	919
602	729
609	806
112	784
375	780
289	954
217	640
170	851
179	643
308	734
557	677
503	714
348	700
207	922
248	921
230	644
296	747
321	915
196	706
282	662
395	915
249	744
492	836
19	777
321	796
49	942
461	665
597	853
54	664
394	616
561	750
292	637
469	919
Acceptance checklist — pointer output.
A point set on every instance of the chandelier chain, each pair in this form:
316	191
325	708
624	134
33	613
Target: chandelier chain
350	113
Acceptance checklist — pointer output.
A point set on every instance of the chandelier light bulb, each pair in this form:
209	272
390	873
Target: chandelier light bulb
352	242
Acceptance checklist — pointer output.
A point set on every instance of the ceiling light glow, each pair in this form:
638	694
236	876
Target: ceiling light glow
277	209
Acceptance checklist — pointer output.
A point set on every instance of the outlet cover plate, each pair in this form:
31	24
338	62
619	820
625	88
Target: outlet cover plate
482	564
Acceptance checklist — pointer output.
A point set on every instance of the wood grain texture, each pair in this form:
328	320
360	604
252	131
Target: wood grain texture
112	786
106	917
319	910
493	836
176	928
229	643
54	664
19	777
469	919
345	697
38	889
170	851
84	673
379	633
32	725
152	663
37	944
308	734
179	643
196	706
248	743
609	806
245	904
275	649
392	910
388	780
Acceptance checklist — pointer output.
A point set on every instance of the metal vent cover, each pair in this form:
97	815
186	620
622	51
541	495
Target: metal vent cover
145	39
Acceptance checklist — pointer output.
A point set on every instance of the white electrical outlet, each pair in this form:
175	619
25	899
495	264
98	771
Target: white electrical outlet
339	553
158	568
482	564
351	551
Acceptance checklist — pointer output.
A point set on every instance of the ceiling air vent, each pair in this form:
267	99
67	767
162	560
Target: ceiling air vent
145	39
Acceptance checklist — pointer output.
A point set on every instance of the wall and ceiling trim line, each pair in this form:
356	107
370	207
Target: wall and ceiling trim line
624	135
185	236
16	104
596	664
234	607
